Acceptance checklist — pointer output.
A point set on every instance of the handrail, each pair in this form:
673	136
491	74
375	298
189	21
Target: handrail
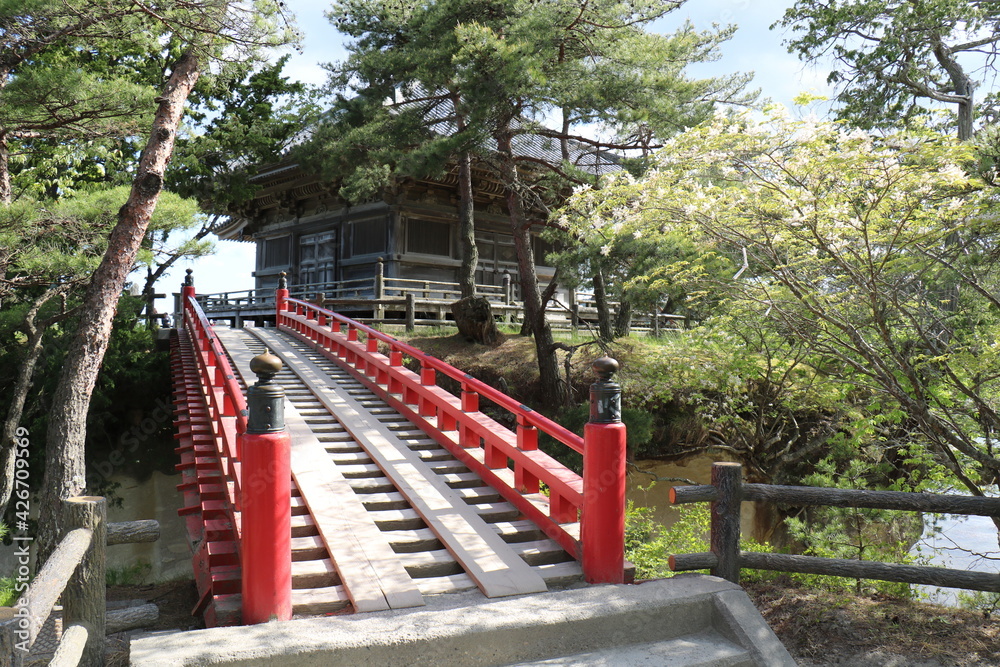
539	421
480	442
223	392
74	572
725	559
202	332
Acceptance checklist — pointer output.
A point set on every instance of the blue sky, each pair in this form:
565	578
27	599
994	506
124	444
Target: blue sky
778	74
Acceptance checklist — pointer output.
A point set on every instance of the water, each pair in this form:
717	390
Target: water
960	543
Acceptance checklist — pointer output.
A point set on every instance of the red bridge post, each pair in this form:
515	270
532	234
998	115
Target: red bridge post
602	530
187	289
266	545
280	298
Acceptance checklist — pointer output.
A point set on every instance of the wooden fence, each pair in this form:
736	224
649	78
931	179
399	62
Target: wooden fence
75	572
412	303
725	559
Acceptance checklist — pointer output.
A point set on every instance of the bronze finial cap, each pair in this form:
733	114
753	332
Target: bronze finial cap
265	366
189	279
283	280
265	399
605	367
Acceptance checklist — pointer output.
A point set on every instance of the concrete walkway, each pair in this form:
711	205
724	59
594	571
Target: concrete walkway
688	620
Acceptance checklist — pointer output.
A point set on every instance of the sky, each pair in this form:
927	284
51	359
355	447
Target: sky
779	75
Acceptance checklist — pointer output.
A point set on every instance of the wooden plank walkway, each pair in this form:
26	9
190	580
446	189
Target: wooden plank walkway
372	576
213	521
392	514
483	554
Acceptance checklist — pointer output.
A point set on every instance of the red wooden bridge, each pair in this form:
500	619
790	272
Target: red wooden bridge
398	487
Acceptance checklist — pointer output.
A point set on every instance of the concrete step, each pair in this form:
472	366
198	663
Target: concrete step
705	649
686	621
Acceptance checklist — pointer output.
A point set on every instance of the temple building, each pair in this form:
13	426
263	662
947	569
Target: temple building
303	228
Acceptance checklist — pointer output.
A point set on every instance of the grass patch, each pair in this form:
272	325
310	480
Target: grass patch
128	575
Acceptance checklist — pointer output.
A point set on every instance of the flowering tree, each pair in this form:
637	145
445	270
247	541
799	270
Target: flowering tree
877	254
601	238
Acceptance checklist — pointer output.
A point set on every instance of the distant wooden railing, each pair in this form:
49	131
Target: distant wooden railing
725	559
76	572
405	298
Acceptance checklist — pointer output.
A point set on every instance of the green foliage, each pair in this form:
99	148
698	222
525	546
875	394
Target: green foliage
591	237
134	381
867	283
639	433
425	83
8	591
649	545
985	603
894	60
234	129
80	80
854	533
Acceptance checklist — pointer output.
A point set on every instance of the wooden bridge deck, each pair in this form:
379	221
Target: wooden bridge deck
382	514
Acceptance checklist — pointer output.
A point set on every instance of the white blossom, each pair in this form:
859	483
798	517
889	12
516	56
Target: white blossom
952	173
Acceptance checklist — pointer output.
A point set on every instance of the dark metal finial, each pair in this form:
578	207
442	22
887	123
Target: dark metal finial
189	279
265	367
265	401
605	367
283	281
605	394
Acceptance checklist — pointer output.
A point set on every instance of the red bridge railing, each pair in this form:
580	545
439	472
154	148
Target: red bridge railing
261	520
225	396
585	516
509	461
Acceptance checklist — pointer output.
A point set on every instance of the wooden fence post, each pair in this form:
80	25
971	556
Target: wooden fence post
574	312
411	311
727	478
379	311
84	600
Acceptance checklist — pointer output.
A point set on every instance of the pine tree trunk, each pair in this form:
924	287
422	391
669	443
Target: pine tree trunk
467	227
961	85
604	330
64	448
6	191
534	311
36	332
623	319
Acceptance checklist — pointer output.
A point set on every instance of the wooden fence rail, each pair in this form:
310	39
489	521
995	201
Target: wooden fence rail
76	573
399	300
725	559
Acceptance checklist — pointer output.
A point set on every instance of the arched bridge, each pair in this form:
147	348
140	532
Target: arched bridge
328	469
400	488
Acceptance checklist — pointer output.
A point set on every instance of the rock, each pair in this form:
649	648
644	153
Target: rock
474	319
